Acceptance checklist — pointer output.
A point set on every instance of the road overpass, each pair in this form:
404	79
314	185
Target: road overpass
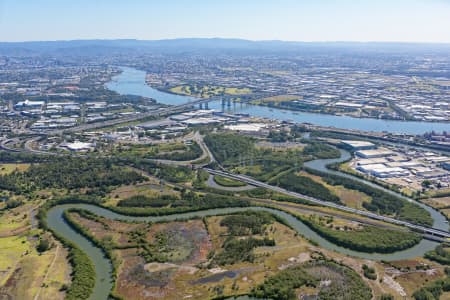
156	113
427	231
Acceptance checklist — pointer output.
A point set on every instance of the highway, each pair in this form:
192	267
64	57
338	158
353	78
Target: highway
156	113
426	230
4	145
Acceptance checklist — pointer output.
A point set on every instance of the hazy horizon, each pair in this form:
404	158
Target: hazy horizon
227	38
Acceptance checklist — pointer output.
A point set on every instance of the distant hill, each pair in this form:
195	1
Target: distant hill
101	47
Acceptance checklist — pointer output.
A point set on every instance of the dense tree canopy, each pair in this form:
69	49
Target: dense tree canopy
70	173
347	284
367	239
306	186
382	202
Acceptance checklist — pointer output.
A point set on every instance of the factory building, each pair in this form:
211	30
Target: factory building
382	171
375	153
357	145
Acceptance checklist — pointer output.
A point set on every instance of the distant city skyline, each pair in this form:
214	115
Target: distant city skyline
288	20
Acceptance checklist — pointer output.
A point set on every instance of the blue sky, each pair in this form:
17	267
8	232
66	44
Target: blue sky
292	20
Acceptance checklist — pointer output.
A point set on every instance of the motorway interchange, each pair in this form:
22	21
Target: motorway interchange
444	235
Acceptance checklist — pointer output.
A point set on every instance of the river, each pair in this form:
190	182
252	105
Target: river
132	81
103	267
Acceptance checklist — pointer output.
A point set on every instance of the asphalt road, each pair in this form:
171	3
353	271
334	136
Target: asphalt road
426	230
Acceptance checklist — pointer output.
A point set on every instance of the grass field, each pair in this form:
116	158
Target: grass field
22	268
276	99
227	182
15	221
350	198
446	212
151	189
27	277
9	168
11	251
58	274
206	91
438	202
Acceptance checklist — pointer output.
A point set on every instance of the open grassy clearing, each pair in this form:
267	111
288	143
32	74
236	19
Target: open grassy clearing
350	198
441	193
438	203
23	269
177	151
15	221
279	146
58	275
275	99
446	212
206	91
151	189
12	250
227	182
9	168
413	273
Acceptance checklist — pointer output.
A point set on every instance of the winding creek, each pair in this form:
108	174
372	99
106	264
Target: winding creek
103	267
132	81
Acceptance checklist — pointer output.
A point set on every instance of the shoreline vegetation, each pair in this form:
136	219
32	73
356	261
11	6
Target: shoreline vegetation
83	270
103	246
86	265
388	240
82	264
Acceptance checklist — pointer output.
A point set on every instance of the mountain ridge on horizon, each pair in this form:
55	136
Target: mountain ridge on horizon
199	44
215	39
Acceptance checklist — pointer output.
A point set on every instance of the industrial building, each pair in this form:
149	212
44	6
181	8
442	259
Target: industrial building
446	165
358	145
78	146
27	104
382	171
374	153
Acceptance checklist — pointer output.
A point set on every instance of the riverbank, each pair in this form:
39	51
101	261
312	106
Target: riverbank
103	267
132	81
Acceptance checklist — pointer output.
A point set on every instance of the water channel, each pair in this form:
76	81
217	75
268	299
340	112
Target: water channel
103	268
